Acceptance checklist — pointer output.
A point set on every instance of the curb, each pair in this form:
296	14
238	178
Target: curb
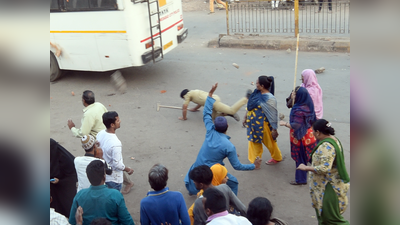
309	44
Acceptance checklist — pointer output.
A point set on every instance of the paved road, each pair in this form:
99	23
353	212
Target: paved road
159	137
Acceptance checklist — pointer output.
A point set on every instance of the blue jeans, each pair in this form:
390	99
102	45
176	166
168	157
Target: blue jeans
117	186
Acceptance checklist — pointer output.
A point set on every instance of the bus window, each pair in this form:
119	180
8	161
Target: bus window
90	5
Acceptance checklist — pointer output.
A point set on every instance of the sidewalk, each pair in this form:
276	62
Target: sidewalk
306	43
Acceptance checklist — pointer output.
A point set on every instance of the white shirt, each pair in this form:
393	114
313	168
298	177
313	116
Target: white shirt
57	218
112	154
81	162
230	220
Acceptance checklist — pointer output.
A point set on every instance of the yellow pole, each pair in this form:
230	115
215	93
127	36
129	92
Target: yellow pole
227	17
295	67
296	18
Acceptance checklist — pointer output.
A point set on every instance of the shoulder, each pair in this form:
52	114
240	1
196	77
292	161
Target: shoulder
222	187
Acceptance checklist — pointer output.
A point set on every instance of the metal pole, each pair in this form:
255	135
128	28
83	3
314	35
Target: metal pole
296	18
227	17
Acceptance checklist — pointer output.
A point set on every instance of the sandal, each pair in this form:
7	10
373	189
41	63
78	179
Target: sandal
271	162
295	183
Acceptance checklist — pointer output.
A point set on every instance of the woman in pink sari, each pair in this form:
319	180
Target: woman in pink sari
310	82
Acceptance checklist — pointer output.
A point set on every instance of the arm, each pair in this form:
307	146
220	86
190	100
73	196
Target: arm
236	203
118	164
144	220
286	124
234	160
200	216
184	112
86	127
183	212
123	215
196	108
208	106
326	156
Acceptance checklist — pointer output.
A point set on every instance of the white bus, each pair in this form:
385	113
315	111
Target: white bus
104	35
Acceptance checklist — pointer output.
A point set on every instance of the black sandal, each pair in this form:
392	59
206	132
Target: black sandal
295	183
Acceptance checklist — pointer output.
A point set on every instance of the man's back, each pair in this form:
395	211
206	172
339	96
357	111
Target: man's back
200	215
100	201
163	206
81	162
230	220
92	121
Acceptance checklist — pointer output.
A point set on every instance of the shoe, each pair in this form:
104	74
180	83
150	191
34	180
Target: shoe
127	188
295	183
248	93
271	162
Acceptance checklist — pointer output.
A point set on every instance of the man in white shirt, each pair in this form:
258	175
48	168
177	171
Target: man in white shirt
92	152
112	152
216	210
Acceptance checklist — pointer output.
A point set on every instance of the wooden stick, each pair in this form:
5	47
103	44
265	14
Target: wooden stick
167	106
295	67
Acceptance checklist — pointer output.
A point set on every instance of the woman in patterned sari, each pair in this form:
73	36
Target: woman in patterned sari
302	141
329	181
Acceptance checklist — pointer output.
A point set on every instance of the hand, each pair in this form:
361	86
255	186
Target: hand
257	163
302	167
274	134
130	171
78	215
56	180
244	122
193	110
70	124
181	118
237	155
282	123
213	88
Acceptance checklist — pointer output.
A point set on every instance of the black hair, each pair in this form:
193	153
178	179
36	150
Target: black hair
101	221
109	118
158	177
201	174
265	81
88	96
324	127
184	92
215	200
259	211
95	172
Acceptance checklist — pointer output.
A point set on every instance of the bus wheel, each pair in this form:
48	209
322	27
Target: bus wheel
55	71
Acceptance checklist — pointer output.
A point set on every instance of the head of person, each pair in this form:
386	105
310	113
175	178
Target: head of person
263	83
111	120
101	221
213	201
202	176
322	128
184	92
87	97
308	77
88	143
259	211
158	177
220	174
96	172
301	96
221	124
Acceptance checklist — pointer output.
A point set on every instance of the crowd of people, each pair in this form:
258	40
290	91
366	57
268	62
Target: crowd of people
89	189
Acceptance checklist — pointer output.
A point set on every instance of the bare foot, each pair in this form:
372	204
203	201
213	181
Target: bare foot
127	188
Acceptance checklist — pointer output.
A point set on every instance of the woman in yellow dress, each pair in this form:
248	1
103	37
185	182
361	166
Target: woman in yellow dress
329	181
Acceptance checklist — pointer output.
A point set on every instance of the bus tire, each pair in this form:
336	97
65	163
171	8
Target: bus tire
55	72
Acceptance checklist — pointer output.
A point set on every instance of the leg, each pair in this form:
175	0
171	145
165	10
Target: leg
330	208
222	3
223	108
271	144
272	4
128	184
330	5
233	183
254	149
301	176
320	5
190	186
212	6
